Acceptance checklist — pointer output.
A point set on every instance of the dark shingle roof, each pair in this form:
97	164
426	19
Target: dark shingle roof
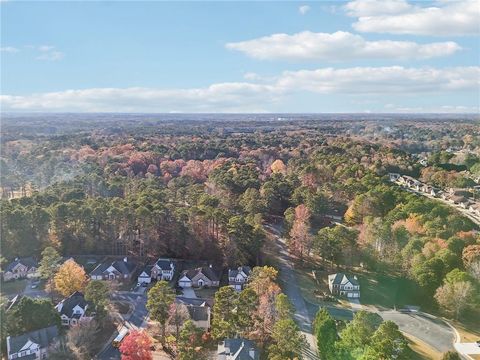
193	301
341	278
234	272
125	268
69	303
207	271
28	262
43	337
147	270
238	349
198	313
164	264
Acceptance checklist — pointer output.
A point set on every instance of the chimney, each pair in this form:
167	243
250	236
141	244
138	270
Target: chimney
125	259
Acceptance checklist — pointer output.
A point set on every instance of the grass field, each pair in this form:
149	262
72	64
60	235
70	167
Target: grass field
389	291
13	287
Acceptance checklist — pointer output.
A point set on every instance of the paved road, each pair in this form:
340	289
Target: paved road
431	330
137	319
291	289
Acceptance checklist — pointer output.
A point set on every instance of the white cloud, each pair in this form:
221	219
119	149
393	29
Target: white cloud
383	80
9	49
255	96
446	109
49	53
304	9
445	18
338	46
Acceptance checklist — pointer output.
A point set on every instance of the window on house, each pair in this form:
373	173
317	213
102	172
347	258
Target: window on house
14	356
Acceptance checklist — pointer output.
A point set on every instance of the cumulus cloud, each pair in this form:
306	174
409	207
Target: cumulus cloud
444	18
9	49
382	80
304	9
254	96
338	46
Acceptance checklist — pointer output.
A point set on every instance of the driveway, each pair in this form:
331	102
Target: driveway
291	289
189	293
355	304
430	329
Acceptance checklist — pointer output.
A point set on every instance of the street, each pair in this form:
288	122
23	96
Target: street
134	320
291	289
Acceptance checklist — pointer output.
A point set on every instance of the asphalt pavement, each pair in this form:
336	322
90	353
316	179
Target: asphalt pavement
134	320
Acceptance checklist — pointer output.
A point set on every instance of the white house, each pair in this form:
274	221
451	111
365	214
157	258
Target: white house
199	277
21	268
33	345
164	269
73	309
238	277
344	285
145	276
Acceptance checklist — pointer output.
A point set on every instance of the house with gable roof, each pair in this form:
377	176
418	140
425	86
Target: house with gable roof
20	268
116	270
344	285
199	277
73	309
33	345
164	269
238	277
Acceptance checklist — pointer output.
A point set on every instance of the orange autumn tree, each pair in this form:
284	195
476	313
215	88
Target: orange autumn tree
136	346
69	278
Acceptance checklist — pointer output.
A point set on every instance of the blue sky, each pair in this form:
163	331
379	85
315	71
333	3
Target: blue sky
357	56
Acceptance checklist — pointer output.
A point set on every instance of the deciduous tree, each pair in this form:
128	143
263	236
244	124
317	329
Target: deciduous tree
136	346
69	278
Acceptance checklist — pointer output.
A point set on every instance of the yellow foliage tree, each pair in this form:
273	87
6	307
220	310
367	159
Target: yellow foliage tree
278	167
70	277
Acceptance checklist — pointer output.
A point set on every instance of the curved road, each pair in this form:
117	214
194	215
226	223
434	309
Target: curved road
433	331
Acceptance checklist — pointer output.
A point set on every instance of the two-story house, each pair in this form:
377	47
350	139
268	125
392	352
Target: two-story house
164	269
33	345
344	285
238	277
21	268
73	309
199	310
115	270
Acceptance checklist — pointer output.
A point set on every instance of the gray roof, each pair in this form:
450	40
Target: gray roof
207	271
27	261
193	301
43	337
238	349
234	272
341	278
70	302
164	264
198	313
123	267
147	270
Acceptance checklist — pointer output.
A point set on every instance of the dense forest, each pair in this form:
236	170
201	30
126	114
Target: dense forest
204	189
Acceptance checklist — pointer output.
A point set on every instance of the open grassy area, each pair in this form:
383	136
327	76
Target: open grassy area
13	287
389	291
421	350
206	293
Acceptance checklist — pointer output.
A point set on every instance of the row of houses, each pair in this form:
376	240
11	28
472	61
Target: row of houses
459	197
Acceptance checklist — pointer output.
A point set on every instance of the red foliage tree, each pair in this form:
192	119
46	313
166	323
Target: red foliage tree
136	346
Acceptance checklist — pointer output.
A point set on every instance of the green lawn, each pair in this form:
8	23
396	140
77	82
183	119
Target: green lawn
13	287
389	291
